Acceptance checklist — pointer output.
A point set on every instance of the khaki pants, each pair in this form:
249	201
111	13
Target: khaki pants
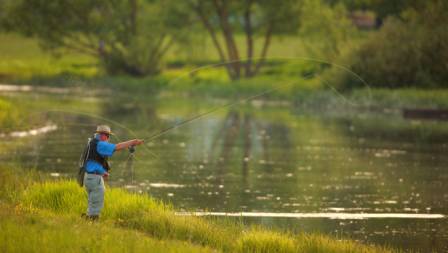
95	190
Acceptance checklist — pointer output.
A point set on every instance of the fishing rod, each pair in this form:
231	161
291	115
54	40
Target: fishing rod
107	120
166	130
317	60
366	84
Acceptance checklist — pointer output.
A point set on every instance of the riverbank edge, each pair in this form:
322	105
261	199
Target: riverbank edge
390	102
35	196
288	91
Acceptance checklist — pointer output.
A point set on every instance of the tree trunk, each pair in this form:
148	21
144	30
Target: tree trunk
156	49
249	38
232	49
133	16
165	48
212	33
267	41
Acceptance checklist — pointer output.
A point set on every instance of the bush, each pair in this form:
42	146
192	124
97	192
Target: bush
406	52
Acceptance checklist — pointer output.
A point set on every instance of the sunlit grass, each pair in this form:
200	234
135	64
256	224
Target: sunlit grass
257	240
42	201
30	110
127	210
23	58
45	232
399	98
10	116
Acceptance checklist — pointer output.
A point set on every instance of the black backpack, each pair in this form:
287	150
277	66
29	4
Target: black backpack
82	163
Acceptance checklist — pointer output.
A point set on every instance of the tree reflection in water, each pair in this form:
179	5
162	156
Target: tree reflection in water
241	130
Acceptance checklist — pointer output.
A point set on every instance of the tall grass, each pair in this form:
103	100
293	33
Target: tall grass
9	115
145	214
400	98
40	232
127	210
257	240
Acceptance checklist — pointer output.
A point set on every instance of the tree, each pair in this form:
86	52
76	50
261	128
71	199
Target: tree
252	18
326	30
382	8
127	36
407	52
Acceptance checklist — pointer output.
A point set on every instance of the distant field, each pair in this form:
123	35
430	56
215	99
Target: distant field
22	58
204	50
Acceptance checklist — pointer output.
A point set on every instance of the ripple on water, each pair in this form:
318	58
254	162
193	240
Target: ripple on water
166	185
336	215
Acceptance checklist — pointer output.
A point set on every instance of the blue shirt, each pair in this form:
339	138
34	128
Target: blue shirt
105	149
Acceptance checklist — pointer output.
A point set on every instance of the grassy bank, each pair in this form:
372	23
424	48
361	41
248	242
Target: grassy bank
29	109
46	232
296	80
49	211
10	116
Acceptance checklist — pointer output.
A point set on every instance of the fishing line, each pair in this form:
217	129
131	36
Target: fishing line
344	98
212	111
365	83
115	136
202	115
107	120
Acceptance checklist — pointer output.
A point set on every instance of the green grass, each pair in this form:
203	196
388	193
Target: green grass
24	62
10	116
28	110
296	80
402	98
23	58
49	211
46	232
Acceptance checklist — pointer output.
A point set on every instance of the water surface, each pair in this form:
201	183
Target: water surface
261	159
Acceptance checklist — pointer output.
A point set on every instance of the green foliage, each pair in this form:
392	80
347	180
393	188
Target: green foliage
128	37
382	8
255	18
9	115
406	53
327	30
400	98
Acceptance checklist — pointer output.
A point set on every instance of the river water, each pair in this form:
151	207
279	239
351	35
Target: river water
367	176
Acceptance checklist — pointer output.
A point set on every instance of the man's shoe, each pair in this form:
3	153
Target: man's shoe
93	217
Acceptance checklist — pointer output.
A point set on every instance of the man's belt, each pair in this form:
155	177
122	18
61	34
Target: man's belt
94	173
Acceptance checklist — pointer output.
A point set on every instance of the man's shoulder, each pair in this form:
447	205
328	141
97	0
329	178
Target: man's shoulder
105	143
105	148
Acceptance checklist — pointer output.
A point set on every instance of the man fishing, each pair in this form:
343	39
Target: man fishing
98	151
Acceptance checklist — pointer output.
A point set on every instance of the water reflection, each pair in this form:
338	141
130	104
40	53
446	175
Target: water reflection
269	160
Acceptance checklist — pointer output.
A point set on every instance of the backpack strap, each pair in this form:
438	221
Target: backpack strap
83	158
82	163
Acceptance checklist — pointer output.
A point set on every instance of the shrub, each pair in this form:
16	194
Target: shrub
406	52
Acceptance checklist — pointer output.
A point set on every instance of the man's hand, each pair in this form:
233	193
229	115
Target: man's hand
127	144
106	175
138	142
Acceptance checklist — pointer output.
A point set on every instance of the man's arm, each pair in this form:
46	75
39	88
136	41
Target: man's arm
127	144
